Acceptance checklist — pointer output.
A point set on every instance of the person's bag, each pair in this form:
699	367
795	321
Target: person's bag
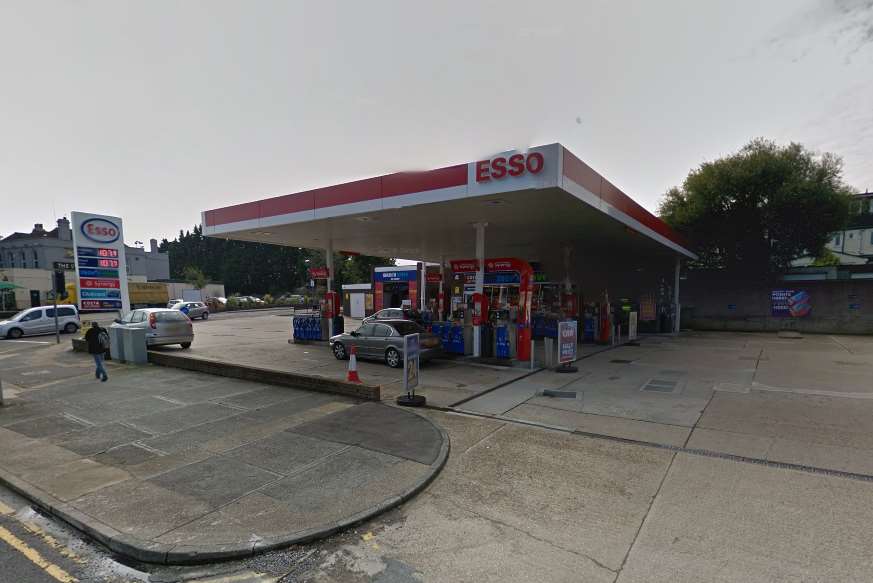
103	339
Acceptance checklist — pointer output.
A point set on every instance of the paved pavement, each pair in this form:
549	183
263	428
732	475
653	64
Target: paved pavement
173	465
518	502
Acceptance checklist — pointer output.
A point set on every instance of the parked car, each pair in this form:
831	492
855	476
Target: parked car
163	326
395	314
40	320
250	300
383	340
193	309
172	303
216	304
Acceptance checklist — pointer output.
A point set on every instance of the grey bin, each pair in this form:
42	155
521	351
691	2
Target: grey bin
135	349
128	344
116	343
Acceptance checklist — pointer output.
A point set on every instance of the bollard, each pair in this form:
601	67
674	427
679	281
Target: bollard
2	402
532	353
352	376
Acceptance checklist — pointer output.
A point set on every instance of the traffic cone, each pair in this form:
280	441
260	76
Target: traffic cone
353	366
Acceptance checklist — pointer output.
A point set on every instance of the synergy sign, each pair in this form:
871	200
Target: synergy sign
101	269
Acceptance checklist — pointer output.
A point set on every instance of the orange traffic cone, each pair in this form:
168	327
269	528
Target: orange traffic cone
353	366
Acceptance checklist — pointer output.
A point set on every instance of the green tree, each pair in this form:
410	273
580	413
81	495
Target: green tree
194	275
257	268
760	208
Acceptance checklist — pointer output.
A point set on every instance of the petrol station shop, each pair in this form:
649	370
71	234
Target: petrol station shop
507	247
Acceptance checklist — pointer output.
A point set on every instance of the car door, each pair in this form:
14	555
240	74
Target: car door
364	339
32	322
381	339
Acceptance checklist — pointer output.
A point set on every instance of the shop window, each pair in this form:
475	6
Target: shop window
838	239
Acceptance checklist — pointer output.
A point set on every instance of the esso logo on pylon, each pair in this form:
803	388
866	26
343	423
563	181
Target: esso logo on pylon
100	230
515	165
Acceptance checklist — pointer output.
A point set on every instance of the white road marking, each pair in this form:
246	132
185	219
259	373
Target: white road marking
29	341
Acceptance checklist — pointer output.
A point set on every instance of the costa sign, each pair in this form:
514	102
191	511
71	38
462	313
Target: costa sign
515	165
100	230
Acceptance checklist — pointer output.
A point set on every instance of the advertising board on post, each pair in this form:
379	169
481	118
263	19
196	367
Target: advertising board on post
566	341
411	355
101	267
319	273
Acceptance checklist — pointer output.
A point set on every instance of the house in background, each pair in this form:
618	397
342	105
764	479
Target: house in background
28	260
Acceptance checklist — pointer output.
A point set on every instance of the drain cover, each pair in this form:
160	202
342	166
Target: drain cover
660	386
559	394
621	361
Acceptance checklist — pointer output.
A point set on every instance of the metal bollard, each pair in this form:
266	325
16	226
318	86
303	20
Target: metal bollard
532	353
2	402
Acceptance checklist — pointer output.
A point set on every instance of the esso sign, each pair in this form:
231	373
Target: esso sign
100	230
515	165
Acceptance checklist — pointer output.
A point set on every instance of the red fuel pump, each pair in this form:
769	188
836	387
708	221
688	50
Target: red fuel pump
330	304
480	309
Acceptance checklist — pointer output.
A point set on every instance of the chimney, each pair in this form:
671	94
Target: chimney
64	232
153	245
38	230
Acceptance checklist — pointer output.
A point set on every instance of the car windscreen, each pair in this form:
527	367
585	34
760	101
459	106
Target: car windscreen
405	328
170	316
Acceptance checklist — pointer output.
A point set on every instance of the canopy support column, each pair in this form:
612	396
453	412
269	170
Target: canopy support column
480	283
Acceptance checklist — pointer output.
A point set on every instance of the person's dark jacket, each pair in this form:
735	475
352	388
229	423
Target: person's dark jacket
92	337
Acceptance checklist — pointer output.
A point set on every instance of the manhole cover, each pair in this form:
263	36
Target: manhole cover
620	361
670	372
660	385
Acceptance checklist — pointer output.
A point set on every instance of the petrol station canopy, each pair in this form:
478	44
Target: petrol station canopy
536	204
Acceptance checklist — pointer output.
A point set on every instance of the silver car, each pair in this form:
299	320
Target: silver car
162	326
40	320
193	309
383	340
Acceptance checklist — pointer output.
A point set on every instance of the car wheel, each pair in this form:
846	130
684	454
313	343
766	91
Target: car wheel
205	315
14	333
339	351
392	358
70	328
185	345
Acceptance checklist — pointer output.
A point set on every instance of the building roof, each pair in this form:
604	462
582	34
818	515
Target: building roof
53	234
425	215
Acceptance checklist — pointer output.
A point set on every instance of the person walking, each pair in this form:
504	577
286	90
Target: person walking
98	341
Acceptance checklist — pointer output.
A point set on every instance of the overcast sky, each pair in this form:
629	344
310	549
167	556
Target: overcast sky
155	111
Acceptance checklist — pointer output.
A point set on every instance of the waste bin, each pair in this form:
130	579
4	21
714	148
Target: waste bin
135	349
116	343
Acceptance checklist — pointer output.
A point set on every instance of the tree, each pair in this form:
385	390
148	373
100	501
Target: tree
760	208
194	275
257	268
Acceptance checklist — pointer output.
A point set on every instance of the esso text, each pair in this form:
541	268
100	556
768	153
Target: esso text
514	165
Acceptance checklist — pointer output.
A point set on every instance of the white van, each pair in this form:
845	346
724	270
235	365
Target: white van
40	320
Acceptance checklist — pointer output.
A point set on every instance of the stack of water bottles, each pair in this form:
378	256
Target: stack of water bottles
306	327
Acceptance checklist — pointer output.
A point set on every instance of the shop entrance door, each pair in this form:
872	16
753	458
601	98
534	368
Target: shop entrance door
34	298
356	306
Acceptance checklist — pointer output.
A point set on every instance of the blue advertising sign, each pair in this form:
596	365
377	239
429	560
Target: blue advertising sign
502	277
398	275
100	294
785	303
567	341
